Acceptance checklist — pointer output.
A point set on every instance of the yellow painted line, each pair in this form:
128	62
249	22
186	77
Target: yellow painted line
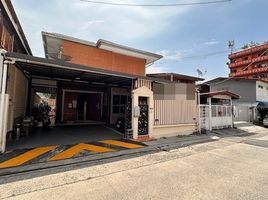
78	148
25	157
122	144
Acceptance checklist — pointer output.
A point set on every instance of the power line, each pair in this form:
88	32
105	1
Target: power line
195	56
157	5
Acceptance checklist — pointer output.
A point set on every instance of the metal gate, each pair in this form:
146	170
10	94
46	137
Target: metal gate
215	117
143	118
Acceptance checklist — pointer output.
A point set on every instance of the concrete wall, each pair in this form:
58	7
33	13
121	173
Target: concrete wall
17	88
173	130
262	91
246	89
100	58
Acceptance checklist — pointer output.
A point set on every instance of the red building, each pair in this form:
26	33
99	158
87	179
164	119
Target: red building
250	63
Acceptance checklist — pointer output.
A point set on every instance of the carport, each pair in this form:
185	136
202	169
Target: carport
60	77
64	135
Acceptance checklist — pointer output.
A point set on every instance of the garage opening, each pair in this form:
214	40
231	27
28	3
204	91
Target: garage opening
82	104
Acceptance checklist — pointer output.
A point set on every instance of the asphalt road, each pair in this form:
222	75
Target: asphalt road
234	167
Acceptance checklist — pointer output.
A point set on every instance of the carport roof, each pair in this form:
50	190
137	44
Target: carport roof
59	69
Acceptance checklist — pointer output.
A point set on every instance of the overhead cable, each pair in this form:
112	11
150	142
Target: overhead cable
157	5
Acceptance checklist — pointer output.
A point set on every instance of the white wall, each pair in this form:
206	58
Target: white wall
262	91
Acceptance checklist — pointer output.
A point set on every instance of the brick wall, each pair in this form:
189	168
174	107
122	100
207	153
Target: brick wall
95	57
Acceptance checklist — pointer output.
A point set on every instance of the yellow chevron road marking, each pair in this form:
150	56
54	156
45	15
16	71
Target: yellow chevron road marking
25	157
121	144
78	148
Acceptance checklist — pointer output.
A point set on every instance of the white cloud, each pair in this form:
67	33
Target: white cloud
93	21
156	69
171	55
211	42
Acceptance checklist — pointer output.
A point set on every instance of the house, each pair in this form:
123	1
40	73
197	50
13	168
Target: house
99	83
175	104
95	83
253	93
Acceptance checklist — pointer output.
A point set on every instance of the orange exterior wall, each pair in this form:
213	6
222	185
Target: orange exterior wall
99	58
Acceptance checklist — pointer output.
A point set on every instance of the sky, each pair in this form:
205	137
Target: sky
189	37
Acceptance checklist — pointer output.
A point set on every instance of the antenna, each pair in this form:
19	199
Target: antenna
200	73
231	44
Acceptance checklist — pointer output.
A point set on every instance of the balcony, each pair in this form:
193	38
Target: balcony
249	72
246	62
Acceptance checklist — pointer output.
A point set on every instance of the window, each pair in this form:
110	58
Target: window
260	86
245	58
119	103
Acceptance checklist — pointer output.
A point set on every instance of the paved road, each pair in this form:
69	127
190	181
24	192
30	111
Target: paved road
234	167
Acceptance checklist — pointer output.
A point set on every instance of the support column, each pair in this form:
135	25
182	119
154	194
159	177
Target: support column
3	122
210	113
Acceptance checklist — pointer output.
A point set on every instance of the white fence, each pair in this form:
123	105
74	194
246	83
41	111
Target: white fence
215	117
172	112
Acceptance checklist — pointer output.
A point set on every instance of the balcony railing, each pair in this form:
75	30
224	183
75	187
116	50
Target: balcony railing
245	62
249	51
249	72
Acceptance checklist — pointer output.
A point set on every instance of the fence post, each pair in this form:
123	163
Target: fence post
210	114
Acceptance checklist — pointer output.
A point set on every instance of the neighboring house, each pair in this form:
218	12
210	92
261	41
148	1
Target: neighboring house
253	93
11	33
250	63
12	39
175	104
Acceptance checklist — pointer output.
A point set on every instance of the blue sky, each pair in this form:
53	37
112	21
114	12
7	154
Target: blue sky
181	34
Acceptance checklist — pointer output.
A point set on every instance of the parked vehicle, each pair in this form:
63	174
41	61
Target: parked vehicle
265	121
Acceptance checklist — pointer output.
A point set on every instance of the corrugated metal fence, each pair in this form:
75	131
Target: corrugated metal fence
171	112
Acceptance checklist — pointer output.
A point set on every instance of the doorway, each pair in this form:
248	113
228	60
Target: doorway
82	106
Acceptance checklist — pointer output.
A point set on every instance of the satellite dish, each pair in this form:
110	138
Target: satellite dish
200	73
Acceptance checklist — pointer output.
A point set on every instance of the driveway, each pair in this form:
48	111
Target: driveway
64	135
228	169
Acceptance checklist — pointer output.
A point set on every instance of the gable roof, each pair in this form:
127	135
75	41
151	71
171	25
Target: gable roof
223	92
52	38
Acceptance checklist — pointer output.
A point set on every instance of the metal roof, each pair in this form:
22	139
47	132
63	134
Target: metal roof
61	70
223	79
179	76
223	92
49	41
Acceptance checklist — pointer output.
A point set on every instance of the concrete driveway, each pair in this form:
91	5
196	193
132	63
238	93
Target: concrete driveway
233	167
64	135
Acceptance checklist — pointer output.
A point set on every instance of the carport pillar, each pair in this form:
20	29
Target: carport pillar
142	92
4	100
